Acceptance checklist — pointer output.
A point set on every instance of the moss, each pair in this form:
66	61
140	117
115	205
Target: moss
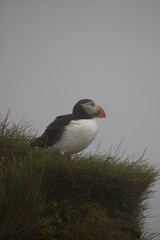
87	220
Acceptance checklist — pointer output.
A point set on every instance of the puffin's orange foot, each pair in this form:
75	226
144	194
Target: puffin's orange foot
66	156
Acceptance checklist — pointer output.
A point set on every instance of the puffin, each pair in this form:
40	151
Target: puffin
72	133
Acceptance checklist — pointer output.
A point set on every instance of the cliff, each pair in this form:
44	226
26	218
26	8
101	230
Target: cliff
91	197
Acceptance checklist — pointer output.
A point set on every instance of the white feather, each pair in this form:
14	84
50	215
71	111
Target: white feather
77	136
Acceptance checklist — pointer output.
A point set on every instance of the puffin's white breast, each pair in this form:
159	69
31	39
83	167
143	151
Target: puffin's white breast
78	134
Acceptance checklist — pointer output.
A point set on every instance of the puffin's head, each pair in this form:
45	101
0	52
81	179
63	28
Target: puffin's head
88	109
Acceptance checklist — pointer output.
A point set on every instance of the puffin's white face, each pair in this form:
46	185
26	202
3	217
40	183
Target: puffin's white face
93	109
90	107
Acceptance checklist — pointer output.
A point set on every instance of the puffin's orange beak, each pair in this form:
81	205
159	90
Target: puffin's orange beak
100	113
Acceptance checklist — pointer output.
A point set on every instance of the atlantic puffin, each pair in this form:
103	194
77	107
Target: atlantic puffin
72	133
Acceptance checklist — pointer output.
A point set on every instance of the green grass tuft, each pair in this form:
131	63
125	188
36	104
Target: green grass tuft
91	197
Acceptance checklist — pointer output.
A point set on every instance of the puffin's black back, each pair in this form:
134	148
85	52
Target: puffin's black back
53	132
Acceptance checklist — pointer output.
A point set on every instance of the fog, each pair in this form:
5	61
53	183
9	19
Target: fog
56	52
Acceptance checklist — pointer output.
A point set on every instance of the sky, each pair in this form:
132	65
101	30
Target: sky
56	52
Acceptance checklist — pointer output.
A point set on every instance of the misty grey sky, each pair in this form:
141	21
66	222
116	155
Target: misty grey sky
55	52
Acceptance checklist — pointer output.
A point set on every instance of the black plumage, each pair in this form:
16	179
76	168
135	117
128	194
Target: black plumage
53	132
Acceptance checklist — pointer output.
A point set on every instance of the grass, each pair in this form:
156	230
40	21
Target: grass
44	197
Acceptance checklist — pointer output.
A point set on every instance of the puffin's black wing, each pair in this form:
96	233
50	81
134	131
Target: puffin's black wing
53	132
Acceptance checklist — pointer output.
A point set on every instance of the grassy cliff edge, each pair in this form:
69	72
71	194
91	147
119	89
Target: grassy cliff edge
93	197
